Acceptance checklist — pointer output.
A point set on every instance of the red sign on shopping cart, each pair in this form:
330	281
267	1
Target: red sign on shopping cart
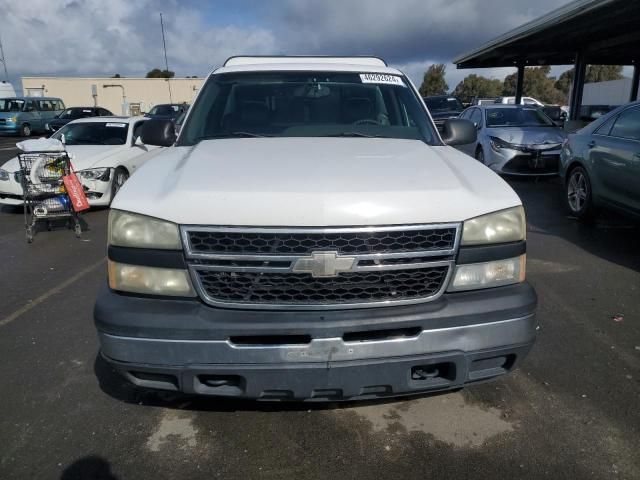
75	192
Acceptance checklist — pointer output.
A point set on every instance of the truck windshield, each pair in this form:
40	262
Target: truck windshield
307	104
517	117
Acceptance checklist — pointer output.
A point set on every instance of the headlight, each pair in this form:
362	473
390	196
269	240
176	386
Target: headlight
13	119
497	144
4	175
139	231
149	280
498	227
95	174
490	274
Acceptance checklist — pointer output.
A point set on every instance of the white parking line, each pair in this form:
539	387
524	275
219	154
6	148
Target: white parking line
46	295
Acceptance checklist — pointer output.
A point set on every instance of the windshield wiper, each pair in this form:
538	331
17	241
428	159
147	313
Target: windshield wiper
233	135
352	134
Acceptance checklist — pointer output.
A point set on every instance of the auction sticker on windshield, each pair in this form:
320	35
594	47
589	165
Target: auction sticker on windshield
381	78
121	125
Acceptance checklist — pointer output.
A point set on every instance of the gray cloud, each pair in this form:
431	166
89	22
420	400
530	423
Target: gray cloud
405	30
89	37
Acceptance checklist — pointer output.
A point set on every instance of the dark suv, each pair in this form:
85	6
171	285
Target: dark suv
442	107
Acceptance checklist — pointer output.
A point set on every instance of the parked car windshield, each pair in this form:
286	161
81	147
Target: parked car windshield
72	113
93	133
307	104
444	104
517	117
164	110
11	105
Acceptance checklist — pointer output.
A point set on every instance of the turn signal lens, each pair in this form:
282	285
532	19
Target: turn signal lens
149	280
490	274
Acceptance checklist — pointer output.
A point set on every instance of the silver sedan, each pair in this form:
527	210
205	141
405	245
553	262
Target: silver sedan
515	139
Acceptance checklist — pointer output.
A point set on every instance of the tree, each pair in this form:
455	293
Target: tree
536	84
433	82
477	86
117	75
594	73
157	73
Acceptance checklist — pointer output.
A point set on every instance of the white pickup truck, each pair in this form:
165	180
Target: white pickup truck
310	235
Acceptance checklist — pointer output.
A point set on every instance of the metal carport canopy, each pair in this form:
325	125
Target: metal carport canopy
604	32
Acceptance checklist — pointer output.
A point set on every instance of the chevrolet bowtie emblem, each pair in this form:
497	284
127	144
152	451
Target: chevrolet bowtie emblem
324	264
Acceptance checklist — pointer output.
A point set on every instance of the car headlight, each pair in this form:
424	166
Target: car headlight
4	175
95	174
149	280
498	144
139	231
499	227
13	119
497	273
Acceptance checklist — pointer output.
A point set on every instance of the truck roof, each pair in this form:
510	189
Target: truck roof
307	63
260	59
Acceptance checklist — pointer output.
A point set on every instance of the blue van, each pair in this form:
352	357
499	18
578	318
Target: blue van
27	115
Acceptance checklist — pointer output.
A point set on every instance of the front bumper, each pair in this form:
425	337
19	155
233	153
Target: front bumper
98	192
11	128
186	346
529	163
11	191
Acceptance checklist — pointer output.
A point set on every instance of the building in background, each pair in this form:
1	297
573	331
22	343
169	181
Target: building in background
598	98
126	96
611	92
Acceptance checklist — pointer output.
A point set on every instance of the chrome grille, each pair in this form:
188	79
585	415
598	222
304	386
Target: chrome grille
293	243
315	268
295	289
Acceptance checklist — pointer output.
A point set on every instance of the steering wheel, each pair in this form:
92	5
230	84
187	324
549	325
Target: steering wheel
366	121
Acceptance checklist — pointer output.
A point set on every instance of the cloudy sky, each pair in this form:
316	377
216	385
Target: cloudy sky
103	37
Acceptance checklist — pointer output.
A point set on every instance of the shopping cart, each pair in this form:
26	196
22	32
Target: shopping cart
45	196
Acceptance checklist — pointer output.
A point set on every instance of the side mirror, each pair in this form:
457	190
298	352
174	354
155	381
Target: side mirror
457	131
158	132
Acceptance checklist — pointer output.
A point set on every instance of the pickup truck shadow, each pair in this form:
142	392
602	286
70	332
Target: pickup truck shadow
90	467
609	235
114	385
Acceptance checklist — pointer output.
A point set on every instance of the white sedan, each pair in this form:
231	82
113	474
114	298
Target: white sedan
105	151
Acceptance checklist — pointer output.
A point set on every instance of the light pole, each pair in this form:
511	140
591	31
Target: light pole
3	62
124	98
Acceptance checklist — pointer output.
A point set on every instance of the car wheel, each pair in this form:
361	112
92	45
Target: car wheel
25	130
119	177
578	190
480	155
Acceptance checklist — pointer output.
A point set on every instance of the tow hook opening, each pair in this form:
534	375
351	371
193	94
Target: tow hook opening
436	371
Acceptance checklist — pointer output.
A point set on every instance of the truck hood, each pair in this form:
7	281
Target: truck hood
82	157
528	135
318	182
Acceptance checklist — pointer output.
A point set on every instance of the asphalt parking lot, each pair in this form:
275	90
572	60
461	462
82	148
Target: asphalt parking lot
571	411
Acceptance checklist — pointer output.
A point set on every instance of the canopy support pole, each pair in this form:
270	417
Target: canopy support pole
519	83
634	83
577	88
